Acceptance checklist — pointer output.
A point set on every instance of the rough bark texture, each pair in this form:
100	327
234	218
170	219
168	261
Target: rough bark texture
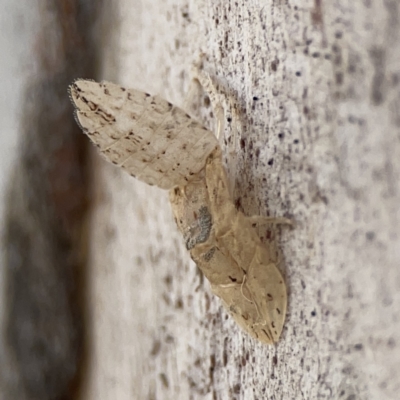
318	86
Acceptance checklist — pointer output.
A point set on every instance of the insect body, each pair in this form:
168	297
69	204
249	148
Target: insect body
161	145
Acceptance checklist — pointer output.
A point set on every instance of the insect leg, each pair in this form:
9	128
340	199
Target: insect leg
189	101
222	207
214	93
208	86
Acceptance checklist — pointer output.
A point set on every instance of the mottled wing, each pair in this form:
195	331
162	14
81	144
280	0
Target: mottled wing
225	246
268	291
146	135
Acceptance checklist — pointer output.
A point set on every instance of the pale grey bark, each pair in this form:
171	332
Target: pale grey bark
318	85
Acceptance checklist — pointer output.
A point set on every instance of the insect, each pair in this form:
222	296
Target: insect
161	145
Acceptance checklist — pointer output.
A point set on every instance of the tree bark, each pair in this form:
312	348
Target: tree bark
317	86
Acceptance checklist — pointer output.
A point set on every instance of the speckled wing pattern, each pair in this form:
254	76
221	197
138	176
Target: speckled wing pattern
222	241
147	136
